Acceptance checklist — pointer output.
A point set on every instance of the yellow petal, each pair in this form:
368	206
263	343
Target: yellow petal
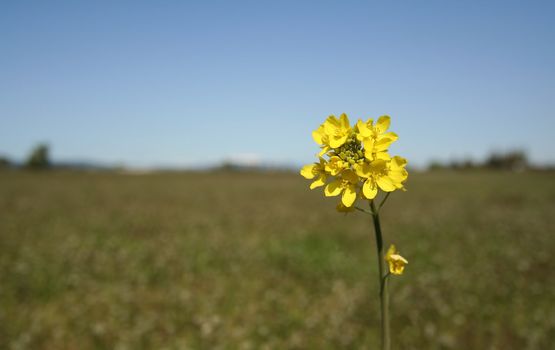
398	163
368	144
332	120
349	196
333	189
396	267
398	176
362	170
318	135
378	166
382	156
397	257
363	130
389	135
307	171
335	165
390	252
369	189
350	176
382	144
338	141
396	264
331	124
324	150
383	124
385	184
319	182
345	121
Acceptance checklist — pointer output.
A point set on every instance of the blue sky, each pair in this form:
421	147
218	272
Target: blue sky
184	83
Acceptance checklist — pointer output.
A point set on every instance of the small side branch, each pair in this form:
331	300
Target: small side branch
383	201
364	210
384	281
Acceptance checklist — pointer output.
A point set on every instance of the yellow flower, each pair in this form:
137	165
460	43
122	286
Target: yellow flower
337	130
345	184
354	160
336	165
320	137
397	172
374	137
388	175
396	262
315	170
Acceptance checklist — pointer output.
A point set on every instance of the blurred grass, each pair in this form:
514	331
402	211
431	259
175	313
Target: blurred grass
257	261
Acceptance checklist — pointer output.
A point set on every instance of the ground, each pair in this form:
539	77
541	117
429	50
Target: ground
238	260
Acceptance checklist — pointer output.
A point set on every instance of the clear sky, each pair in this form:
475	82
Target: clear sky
181	83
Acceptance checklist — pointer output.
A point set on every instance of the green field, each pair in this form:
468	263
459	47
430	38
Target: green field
257	261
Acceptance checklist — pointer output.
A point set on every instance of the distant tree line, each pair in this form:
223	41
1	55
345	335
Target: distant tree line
517	160
4	162
38	158
513	160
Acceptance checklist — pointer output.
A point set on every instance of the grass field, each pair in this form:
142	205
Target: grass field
257	261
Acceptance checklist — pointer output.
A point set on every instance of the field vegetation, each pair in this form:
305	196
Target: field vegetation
245	260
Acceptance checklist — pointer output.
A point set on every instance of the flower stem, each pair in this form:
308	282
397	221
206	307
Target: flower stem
384	297
383	200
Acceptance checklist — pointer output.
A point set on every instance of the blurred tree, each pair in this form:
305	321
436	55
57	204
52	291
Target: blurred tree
468	163
436	165
515	160
39	158
4	162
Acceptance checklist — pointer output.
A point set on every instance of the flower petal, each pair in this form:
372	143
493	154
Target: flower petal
363	130
333	121
386	184
338	141
389	135
333	189
344	120
335	165
350	176
383	124
331	124
362	170
390	252
324	150
382	156
319	182
378	166
398	257
349	196
398	176
383	143
307	171
369	189
318	135
368	144
398	163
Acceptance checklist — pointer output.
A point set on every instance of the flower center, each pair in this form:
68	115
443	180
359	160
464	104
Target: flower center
351	151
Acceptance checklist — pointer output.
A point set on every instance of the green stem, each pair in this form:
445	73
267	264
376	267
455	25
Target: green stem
383	200
364	211
384	297
383	282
